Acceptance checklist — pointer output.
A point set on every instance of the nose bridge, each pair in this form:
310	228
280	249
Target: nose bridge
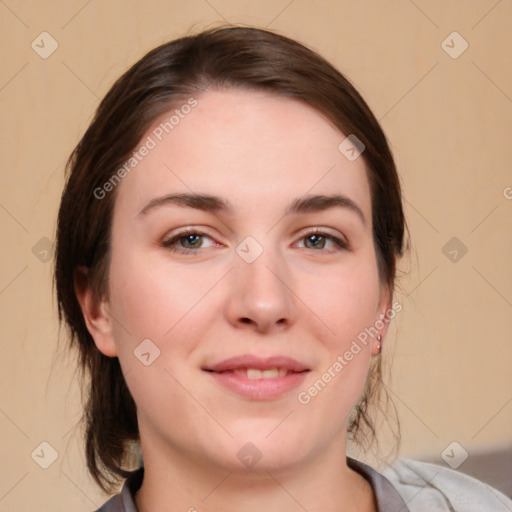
260	291
261	269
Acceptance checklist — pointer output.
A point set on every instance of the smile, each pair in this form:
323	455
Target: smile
258	378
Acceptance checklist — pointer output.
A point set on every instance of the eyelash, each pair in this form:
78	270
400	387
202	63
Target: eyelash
169	244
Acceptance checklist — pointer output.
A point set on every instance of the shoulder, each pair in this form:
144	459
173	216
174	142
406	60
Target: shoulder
425	486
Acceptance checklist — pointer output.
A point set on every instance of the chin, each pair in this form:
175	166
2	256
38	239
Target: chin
262	450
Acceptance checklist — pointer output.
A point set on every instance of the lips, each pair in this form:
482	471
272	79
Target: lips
258	378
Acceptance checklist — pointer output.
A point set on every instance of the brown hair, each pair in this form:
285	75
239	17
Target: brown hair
222	58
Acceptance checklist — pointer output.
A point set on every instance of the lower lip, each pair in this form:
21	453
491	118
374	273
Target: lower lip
259	389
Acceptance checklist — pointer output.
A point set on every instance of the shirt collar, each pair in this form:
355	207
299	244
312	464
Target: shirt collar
387	497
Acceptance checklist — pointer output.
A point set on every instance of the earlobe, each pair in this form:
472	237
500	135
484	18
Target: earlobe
377	345
95	313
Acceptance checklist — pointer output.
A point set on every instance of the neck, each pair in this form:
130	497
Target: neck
179	483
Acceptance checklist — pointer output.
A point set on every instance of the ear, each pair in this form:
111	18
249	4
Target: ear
382	320
95	312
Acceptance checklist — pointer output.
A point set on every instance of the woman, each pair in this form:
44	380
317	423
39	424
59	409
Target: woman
227	248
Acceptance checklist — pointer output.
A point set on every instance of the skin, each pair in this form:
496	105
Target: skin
297	299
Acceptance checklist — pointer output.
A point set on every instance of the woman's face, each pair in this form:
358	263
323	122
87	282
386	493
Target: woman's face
235	324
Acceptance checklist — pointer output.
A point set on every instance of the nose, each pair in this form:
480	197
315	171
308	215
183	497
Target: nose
260	295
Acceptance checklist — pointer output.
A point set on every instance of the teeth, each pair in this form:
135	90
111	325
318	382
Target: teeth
271	374
253	373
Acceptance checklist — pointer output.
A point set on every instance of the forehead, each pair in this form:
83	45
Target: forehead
257	150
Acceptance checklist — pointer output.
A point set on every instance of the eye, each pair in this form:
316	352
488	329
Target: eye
188	241
320	241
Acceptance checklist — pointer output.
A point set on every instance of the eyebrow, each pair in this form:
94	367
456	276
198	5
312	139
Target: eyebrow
202	202
215	204
318	203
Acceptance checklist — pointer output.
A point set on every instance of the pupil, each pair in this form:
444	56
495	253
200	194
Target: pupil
191	239
315	239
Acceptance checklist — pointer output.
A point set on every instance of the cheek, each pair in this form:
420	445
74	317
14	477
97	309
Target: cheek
346	303
150	302
345	299
152	298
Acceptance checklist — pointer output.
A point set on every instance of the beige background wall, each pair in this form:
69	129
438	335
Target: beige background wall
449	122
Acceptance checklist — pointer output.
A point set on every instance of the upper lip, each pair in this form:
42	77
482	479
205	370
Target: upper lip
259	363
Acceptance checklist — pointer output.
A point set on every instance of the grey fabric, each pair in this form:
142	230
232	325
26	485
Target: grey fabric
433	488
388	498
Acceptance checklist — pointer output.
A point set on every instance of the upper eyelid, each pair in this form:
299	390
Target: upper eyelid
186	231
303	231
321	230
